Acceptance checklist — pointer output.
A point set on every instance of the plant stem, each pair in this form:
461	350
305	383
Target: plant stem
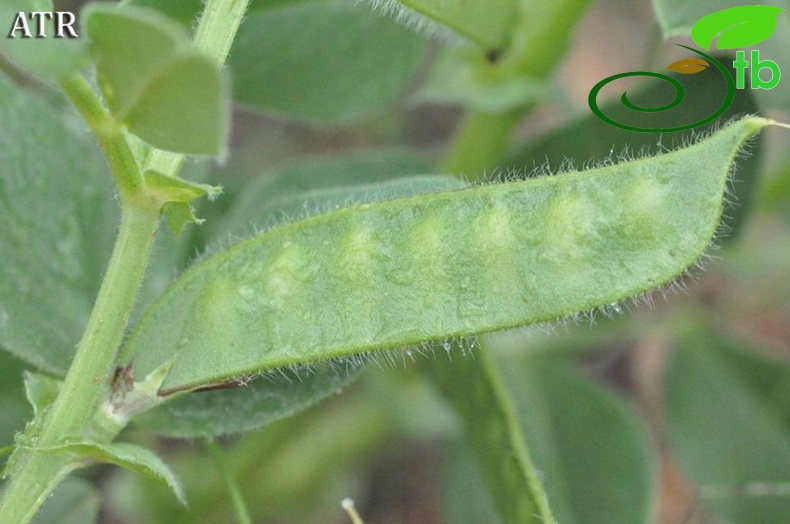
218	26
94	361
477	392
34	475
108	133
239	506
483	137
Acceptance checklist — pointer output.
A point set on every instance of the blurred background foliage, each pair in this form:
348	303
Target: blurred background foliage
674	413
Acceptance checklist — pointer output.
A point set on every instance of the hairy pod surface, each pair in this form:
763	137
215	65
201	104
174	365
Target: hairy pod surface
448	264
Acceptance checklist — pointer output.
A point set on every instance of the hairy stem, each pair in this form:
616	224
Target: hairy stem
108	133
33	474
218	27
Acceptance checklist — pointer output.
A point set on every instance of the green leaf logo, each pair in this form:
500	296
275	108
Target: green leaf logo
736	27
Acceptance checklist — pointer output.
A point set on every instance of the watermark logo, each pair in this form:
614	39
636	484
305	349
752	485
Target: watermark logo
33	24
731	28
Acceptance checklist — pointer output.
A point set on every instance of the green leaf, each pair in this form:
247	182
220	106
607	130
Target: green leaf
58	219
179	215
49	59
283	63
736	27
73	502
594	455
475	260
185	109
246	406
132	47
175	194
169	189
725	433
169	95
130	456
41	391
489	23
768	378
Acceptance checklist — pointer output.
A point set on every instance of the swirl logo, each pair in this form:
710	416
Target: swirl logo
732	28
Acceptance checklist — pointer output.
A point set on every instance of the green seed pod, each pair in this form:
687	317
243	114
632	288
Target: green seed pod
449	264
